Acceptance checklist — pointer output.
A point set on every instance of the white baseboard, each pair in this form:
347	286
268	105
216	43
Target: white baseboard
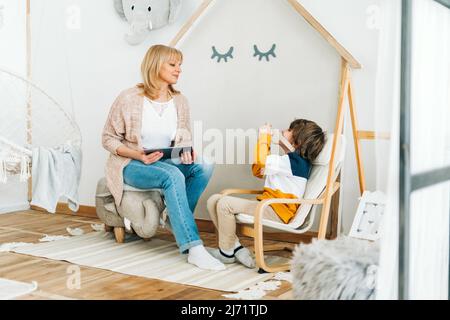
14	207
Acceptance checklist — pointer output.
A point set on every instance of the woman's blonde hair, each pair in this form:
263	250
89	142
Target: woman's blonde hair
155	57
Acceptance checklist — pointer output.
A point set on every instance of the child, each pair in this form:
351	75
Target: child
286	177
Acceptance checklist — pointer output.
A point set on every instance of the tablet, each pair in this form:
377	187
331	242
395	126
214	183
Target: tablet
170	153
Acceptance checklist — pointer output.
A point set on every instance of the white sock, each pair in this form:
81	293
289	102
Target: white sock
243	255
229	254
217	253
201	258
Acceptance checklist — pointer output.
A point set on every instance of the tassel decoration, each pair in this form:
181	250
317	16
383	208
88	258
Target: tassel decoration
3	176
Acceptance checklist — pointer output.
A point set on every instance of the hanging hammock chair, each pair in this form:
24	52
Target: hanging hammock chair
29	118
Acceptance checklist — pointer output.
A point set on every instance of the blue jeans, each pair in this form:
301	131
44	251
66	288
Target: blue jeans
182	186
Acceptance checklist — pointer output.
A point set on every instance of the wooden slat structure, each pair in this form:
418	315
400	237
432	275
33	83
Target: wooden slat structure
348	62
344	53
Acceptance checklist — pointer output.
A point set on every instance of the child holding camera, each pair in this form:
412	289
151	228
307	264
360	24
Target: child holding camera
285	177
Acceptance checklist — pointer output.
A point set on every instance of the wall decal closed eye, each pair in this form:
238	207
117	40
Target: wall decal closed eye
258	53
261	55
219	56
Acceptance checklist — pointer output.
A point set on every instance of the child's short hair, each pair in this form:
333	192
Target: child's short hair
309	138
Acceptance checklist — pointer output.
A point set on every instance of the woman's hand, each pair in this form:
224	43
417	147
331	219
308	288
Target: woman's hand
188	158
126	152
150	158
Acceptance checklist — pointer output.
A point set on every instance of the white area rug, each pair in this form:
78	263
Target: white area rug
155	259
10	289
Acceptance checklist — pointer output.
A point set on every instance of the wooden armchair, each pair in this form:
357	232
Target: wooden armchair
320	189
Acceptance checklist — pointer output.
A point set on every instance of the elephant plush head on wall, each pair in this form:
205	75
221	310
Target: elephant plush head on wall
146	15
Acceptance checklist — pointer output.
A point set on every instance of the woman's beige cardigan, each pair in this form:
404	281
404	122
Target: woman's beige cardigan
123	127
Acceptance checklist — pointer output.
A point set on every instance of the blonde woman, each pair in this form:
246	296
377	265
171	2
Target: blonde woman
155	115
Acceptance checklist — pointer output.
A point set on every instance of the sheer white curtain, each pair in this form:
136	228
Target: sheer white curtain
387	120
430	142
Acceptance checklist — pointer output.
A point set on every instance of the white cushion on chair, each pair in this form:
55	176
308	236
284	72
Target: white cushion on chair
248	219
314	187
324	157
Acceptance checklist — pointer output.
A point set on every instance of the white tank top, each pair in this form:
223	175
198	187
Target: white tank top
159	124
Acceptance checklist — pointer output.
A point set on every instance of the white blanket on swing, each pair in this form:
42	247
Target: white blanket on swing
56	173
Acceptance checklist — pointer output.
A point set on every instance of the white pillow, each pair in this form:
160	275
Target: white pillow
324	157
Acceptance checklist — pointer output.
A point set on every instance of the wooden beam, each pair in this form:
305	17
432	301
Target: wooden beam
334	214
205	225
188	25
336	140
372	135
344	53
259	241
361	174
202	224
63	208
328	37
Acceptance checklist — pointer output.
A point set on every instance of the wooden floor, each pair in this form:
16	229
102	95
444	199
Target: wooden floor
52	276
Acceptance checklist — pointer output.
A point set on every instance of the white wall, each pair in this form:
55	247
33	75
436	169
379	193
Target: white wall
13	195
97	64
90	60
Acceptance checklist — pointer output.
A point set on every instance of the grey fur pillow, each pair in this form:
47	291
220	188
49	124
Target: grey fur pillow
341	269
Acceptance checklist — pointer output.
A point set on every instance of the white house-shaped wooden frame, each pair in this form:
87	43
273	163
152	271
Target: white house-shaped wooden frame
348	62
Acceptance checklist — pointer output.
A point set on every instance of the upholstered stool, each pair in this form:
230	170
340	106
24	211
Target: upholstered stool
140	208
